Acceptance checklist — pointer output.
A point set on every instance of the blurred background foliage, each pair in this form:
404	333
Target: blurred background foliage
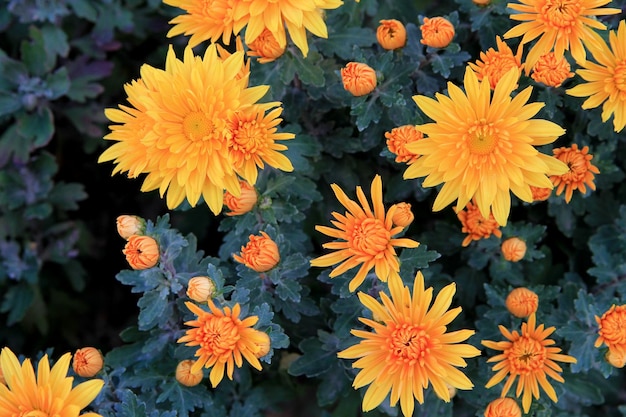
63	61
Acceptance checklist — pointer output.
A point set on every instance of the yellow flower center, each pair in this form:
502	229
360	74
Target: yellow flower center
526	356
409	343
483	138
370	236
619	78
561	14
197	126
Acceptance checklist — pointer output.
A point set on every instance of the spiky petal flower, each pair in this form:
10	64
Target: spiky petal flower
482	146
494	64
560	25
606	79
47	393
368	237
611	330
530	356
409	347
580	171
476	226
551	71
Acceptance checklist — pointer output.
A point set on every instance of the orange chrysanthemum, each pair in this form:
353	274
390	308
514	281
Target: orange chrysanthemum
551	71
503	407
481	146
358	79
561	25
195	128
266	48
606	80
391	34
142	252
367	237
402	215
528	355
494	64
185	376
223	339
408	348
522	302
47	393
513	249
244	202
616	358
612	329
87	362
580	171
397	140
260	253
437	32
476	225
540	193
128	225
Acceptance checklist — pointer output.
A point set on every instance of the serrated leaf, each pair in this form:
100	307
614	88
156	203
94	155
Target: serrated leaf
183	399
130	405
37	126
16	302
308	72
152	307
9	103
412	259
314	360
342	39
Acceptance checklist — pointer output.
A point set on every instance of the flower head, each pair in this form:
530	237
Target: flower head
49	392
391	34
200	289
410	348
186	376
397	140
476	226
223	339
266	48
530	356
612	327
540	193
260	253
580	171
606	79
522	302
402	215
130	225
494	64
513	249
616	358
367	237
242	204
195	127
560	25
503	407
437	32
551	71
142	252
482	146
87	362
358	79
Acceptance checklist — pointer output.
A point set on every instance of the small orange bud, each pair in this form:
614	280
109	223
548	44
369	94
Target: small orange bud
128	225
481	2
264	345
616	358
260	254
611	329
142	252
513	249
242	204
540	194
185	376
437	32
402	216
521	302
87	362
503	407
358	79
200	289
397	140
391	34
551	71
265	47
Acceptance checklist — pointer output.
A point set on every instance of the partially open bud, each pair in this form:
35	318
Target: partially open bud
616	358
200	289
513	249
242	204
437	32
358	79
522	302
265	47
402	216
540	194
264	346
142	252
551	71
398	139
391	34
260	254
185	376
503	407
128	225
87	362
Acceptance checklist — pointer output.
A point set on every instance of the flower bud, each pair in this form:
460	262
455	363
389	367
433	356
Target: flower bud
128	225
185	376
437	32
391	34
616	358
265	47
142	252
200	289
481	2
87	362
399	138
260	254
540	194
551	71
402	216
358	79
242	204
522	302
513	249
264	345
503	407
451	390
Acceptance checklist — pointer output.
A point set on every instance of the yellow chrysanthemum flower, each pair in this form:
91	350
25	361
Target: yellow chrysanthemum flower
606	80
482	146
47	393
195	128
561	25
408	348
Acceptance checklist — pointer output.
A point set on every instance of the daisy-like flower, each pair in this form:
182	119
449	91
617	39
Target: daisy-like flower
195	128
606	80
476	225
47	393
494	64
530	356
368	237
560	25
551	71
482	146
579	174
223	339
408	348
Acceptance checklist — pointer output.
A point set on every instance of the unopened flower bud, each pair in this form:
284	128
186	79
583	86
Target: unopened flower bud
503	407
260	254
391	34
185	376
242	204
87	362
540	194
481	2
265	47
402	216
551	71
358	79
522	302
128	225
513	249
142	252
616	358
263	344
200	289
437	32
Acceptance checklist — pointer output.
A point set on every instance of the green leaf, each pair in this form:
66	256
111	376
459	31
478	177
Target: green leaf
37	126
184	399
314	361
308	71
84	9
153	306
130	405
413	259
55	40
342	39
16	302
9	103
58	82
